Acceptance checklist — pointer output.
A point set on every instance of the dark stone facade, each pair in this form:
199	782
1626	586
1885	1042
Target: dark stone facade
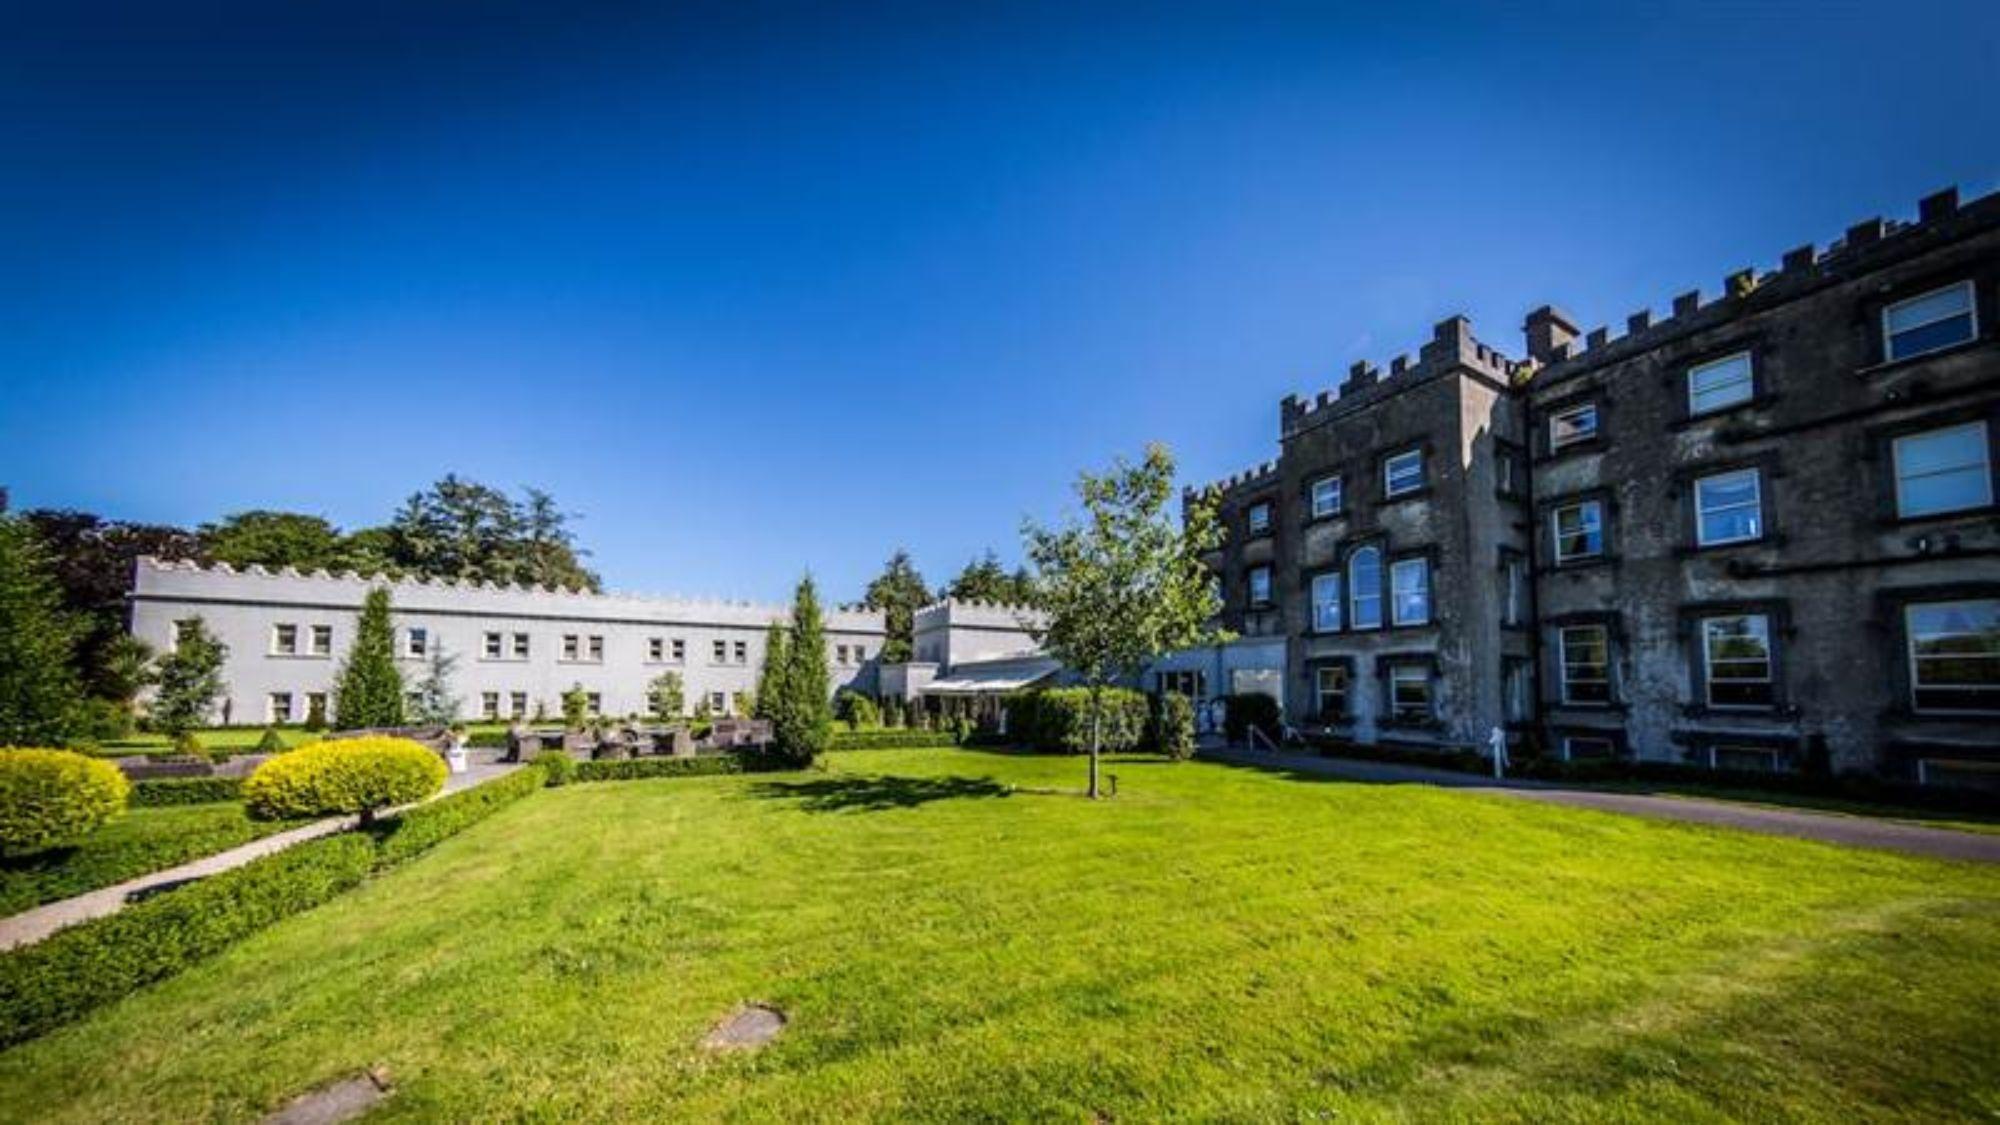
1761	532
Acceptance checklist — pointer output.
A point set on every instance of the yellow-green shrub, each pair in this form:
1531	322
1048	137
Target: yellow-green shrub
355	775
49	796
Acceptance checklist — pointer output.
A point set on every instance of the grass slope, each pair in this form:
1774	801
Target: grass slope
143	840
953	939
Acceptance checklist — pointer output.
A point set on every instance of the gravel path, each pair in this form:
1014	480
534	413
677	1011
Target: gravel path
1828	827
32	926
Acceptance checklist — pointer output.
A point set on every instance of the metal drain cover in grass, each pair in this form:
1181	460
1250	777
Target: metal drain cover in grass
747	1029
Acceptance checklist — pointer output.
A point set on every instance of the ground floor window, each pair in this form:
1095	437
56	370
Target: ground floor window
595	702
279	707
1954	650
1736	661
1747	759
1330	687
1191	683
1580	747
1517	684
489	704
518	703
718	701
1960	773
1409	692
316	706
1586	663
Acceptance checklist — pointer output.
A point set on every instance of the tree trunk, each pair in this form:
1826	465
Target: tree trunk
1095	712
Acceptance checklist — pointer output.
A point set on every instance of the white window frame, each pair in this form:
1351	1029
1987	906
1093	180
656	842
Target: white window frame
272	712
1401	672
1578	435
720	651
416	642
493	645
1327	497
321	698
1394	464
677	651
1372	596
1563	664
489	705
1911	658
1258	517
1984	465
1756	501
742	652
517	704
1320	691
284	639
593	648
314	635
656	650
1250	584
1971	313
1748	382
1709	660
1320	603
1421	567
1556	531
572	647
520	648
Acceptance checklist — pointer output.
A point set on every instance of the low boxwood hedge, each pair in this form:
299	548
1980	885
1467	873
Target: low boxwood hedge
419	829
702	765
68	974
165	791
889	739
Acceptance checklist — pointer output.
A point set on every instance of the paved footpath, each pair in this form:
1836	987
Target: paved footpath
1832	828
32	926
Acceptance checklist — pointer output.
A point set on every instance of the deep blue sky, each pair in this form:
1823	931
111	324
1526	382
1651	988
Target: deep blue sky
756	289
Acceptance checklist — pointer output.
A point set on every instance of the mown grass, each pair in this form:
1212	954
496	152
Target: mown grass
143	840
956	935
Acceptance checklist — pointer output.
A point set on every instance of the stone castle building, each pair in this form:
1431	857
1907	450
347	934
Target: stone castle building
1758	533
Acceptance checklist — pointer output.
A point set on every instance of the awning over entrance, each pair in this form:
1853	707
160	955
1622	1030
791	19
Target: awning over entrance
993	678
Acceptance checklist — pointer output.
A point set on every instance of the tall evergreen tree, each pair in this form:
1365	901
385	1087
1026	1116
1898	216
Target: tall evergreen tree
189	678
771	692
369	692
984	580
40	695
435	704
803	725
899	591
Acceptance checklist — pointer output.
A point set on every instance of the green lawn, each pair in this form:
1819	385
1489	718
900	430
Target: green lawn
141	841
956	937
238	740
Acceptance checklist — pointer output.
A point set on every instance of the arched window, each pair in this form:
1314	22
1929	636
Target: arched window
1364	588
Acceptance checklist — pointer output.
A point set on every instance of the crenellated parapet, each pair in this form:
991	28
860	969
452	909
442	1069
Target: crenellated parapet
1452	349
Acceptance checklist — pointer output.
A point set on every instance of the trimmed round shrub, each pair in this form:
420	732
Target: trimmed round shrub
1173	726
558	766
50	796
352	775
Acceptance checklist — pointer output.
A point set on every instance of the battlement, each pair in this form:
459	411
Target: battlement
1255	475
1865	245
1452	348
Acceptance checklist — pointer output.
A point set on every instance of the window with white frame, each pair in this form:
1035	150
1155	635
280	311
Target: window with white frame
722	652
1403	473
1326	602
316	705
840	654
742	652
1939	319
1729	508
1260	517
1326	497
1364	589
718	702
416	642
594	647
860	654
1410	591
1579	530
517	704
594	701
493	645
1409	692
1572	425
1585	653
680	650
1945	470
1330	688
278	707
572	646
1736	661
285	640
1260	585
321	643
1954	651
520	646
656	649
1720	383
489	704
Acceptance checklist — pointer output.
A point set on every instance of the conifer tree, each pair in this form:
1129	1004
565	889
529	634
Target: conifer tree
803	725
436	705
370	688
189	679
40	696
771	696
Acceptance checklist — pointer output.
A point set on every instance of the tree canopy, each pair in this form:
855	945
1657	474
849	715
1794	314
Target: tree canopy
189	678
369	691
462	530
985	580
898	592
40	696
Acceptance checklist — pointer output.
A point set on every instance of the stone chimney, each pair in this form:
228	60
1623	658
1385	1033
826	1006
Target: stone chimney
1548	328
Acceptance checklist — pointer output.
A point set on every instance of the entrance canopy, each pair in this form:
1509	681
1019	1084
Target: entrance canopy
994	677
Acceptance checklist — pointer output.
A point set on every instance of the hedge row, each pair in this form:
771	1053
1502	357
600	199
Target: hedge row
94	963
896	739
1059	719
702	765
161	792
85	966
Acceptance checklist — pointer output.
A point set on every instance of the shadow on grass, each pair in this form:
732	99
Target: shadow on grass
876	794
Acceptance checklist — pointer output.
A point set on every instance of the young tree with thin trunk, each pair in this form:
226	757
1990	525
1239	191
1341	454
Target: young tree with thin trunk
189	679
369	692
1124	584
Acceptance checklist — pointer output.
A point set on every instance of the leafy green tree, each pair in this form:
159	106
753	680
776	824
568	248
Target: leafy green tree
92	560
465	531
667	697
369	690
1125	583
189	679
898	592
985	580
576	708
261	537
41	697
802	724
436	706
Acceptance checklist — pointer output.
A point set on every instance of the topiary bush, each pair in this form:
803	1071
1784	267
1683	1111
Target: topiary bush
357	775
856	710
557	767
1059	719
1173	727
272	742
50	796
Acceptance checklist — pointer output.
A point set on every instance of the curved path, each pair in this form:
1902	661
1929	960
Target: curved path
1827	827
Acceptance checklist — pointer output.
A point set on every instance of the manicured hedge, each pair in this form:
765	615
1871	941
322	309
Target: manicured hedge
897	739
357	775
417	830
53	796
703	765
185	791
68	974
1059	719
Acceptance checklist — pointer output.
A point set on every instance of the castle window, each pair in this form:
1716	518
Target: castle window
1954	650
520	646
1728	508
656	649
595	702
1403	473
1746	759
1364	589
572	646
1736	661
322	640
1515	685
492	642
1260	585
316	706
416	642
1515	611
840	654
1572	426
1410	592
279	707
742	652
1939	319
1721	383
1326	602
1330	688
1579	530
1580	747
489	704
680	650
517	704
1409	692
1585	652
596	649
1260	517
1946	470
285	640
1326	497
